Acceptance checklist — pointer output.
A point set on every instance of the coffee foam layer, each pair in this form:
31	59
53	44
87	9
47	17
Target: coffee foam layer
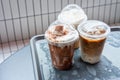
65	37
94	29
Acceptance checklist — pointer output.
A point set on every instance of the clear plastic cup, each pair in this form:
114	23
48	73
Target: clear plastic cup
92	37
74	15
61	39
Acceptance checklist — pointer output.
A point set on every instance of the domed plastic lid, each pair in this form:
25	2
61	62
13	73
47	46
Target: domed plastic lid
61	34
72	14
94	29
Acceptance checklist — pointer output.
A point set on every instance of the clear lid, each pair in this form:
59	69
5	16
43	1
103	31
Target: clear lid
94	29
61	33
72	6
72	14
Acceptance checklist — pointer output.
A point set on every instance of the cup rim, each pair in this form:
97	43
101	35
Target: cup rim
63	42
69	7
100	23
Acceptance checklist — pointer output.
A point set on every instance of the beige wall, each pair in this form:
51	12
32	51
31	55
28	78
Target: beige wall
22	19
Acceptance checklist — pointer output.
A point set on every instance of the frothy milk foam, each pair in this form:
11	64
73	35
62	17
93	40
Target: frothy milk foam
94	28
72	16
68	37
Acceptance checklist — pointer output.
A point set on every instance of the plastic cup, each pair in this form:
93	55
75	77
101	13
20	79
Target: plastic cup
61	39
74	15
92	37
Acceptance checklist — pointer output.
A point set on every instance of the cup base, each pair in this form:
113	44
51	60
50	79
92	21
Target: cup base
63	67
90	60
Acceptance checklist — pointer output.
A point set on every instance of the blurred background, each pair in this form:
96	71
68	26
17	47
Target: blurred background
22	19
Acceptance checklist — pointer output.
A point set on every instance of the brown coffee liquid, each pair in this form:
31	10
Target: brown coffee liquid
92	47
61	56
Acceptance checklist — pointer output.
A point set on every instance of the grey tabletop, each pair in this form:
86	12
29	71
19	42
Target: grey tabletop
18	66
107	69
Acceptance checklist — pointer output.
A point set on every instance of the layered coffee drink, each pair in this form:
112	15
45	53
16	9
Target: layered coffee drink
61	39
92	37
74	15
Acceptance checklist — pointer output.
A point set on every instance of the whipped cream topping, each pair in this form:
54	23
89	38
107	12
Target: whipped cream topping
72	16
61	33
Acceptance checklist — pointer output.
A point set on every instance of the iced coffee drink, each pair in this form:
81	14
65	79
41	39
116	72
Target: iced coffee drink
74	15
92	37
61	39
